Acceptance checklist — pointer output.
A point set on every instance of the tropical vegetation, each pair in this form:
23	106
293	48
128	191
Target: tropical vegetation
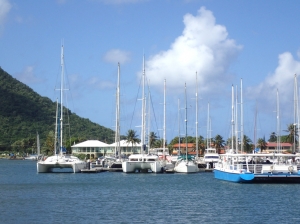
24	112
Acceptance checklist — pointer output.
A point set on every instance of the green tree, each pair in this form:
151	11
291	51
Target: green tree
219	142
49	143
292	136
247	144
273	137
261	143
152	138
132	137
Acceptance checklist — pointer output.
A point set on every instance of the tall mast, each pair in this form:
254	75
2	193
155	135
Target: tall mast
149	117
143	110
242	119
117	136
164	137
61	98
296	113
236	122
207	129
186	141
56	129
196	116
278	124
38	151
255	121
232	115
179	149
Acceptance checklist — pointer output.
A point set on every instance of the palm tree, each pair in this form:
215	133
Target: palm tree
292	133
152	138
273	137
201	144
219	143
132	137
247	144
262	144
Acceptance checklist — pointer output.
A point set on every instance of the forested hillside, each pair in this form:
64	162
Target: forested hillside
24	112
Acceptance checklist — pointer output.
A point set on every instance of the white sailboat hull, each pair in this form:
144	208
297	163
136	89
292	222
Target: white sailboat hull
131	167
61	162
186	167
142	163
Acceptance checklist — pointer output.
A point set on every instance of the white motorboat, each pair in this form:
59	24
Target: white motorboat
211	157
60	159
31	157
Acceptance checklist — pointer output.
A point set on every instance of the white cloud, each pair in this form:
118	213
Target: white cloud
204	47
5	7
27	76
282	79
116	55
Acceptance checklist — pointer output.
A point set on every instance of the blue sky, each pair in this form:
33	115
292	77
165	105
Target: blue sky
223	41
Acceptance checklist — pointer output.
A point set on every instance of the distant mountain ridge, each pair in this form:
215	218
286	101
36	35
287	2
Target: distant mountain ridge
23	113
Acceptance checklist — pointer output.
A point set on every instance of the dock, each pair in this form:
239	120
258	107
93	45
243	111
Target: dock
206	170
92	170
101	169
105	169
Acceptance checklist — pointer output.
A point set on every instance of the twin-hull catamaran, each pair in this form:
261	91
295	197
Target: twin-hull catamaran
60	159
143	162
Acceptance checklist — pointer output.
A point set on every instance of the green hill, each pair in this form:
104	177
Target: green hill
24	112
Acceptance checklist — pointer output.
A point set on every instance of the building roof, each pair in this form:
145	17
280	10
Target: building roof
91	143
182	145
124	143
274	144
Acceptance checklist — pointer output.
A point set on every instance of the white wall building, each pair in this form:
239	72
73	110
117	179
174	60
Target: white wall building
94	149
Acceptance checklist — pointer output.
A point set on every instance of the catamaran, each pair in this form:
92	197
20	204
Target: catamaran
143	162
60	159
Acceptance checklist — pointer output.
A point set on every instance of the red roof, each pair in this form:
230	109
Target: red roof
274	144
183	145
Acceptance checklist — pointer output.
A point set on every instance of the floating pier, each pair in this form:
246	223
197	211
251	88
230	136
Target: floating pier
100	169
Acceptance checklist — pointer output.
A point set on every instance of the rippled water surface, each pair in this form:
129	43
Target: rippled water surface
109	197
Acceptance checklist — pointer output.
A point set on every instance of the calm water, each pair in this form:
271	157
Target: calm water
28	197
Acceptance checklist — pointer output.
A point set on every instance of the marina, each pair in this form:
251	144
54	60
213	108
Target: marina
117	197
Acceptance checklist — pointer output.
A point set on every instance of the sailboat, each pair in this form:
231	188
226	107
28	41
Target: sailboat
143	162
228	168
210	156
116	162
186	163
60	159
283	167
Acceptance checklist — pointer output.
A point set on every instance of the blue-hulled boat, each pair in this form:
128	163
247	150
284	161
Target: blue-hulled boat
228	168
258	168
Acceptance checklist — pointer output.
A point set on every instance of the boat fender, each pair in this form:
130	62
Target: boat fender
291	169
